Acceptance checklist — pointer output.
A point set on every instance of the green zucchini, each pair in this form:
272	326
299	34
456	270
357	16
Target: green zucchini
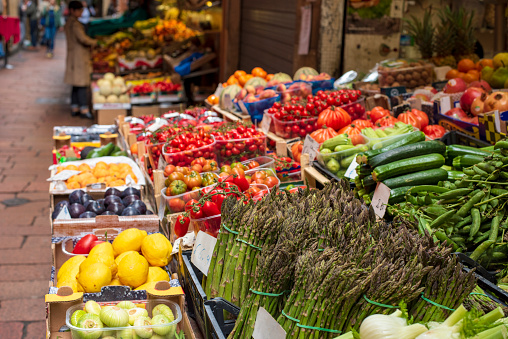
467	160
368	181
427	177
455	175
404	152
454	151
411	138
398	194
406	166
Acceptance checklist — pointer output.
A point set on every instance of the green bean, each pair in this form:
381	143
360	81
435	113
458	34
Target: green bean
481	238
494	229
493	176
464	230
458	240
469	171
475	213
454	193
480	249
464	221
443	237
442	219
501	145
498	191
498	256
494	203
477	177
485	199
487	168
468	205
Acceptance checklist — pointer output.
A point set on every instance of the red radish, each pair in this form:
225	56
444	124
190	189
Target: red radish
478	104
481	84
466	100
496	101
457	113
455	86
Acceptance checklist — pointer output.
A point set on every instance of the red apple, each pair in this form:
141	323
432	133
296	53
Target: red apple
466	100
456	85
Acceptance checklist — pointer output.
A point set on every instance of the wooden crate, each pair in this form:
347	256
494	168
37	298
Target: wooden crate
311	176
282	145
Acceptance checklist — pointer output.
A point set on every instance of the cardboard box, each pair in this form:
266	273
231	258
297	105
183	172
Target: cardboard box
57	305
138	111
493	126
108	116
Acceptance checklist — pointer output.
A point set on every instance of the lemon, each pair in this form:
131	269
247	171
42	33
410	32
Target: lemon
146	285
128	240
72	283
157	274
157	249
94	277
115	282
105	259
133	270
70	268
121	256
104	248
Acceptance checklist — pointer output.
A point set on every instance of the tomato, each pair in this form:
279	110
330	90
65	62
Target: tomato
238	171
386	121
189	204
210	209
181	225
334	117
176	176
225	177
434	131
322	134
271	181
241	182
176	205
199	161
258	175
197	168
410	119
361	123
168	170
176	187
422	117
225	169
183	170
193	179
209	179
377	113
83	246
253	190
350	130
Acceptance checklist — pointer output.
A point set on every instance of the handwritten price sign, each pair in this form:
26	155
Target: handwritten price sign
380	199
202	252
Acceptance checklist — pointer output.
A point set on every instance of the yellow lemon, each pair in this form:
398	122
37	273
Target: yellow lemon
107	260
156	274
146	285
157	249
104	248
72	283
115	282
94	277
70	268
121	256
133	270
128	240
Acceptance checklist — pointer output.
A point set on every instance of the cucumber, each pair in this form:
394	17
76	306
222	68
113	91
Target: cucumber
398	194
427	177
467	160
406	166
411	138
404	152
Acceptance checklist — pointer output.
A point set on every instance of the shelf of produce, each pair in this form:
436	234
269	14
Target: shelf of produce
140	100
117	105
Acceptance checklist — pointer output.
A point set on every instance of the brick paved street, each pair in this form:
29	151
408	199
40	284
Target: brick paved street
32	100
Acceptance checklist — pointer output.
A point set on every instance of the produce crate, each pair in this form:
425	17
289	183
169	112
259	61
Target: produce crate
194	292
58	304
459	138
408	74
223	159
216	326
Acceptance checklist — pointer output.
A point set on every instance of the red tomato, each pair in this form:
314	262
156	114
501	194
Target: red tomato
334	117
377	113
422	117
434	131
350	130
270	181
361	123
181	225
168	170
410	119
188	205
259	175
176	205
386	121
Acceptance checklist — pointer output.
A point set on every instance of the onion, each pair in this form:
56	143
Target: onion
496	101
380	326
114	316
126	305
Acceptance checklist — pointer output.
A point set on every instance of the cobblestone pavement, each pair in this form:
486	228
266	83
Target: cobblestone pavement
33	99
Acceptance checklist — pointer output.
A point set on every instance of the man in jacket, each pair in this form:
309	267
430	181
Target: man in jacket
78	63
30	10
52	18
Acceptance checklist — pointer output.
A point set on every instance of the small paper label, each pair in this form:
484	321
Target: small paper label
445	104
157	124
380	199
351	170
228	104
64	214
242	107
203	250
64	175
311	147
266	327
96	186
265	123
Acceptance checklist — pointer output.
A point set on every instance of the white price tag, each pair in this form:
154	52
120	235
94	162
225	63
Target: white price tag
311	147
64	175
218	91
228	104
446	104
203	250
265	123
242	107
380	199
266	327
351	170
64	214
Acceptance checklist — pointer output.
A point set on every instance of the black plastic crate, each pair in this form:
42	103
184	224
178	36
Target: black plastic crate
459	138
216	326
194	294
322	169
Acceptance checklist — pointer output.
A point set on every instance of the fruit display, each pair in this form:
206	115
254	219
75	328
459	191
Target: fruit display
124	320
112	174
110	89
134	258
287	169
124	203
143	89
296	89
241	78
167	87
182	148
237	142
172	30
407	73
468	70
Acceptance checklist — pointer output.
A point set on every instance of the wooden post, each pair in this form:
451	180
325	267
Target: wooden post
131	139
281	148
230	38
158	184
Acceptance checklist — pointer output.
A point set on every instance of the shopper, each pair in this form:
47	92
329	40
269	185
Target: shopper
78	64
88	11
51	16
30	9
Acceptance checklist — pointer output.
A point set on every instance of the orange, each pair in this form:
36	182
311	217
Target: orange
258	72
466	65
475	73
239	73
244	78
468	78
213	100
461	75
452	74
484	63
269	77
232	80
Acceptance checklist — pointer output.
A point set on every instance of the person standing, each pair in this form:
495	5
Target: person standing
52	19
78	64
88	12
30	10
